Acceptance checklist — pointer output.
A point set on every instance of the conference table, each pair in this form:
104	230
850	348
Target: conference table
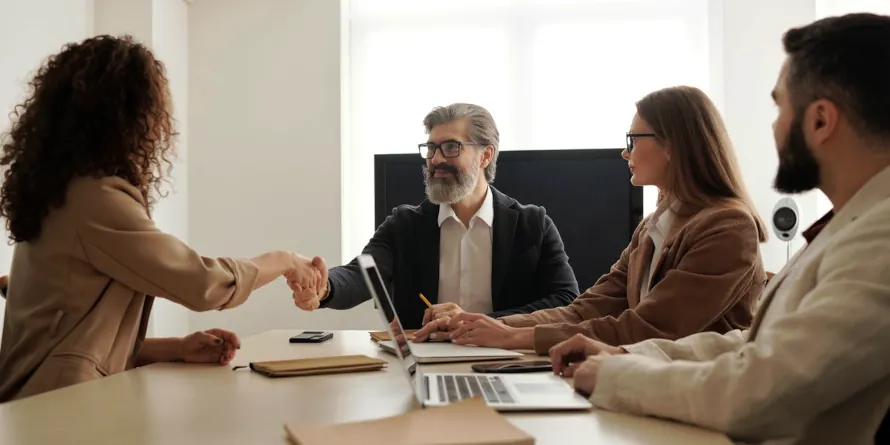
178	403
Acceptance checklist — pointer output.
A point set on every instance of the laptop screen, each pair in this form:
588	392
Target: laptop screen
394	326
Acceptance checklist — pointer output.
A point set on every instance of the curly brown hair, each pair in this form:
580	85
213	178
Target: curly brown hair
98	108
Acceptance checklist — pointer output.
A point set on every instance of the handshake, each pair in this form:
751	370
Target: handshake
308	279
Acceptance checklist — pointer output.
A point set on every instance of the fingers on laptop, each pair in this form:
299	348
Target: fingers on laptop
429	329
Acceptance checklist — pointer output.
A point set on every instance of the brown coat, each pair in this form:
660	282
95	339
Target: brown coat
707	278
80	295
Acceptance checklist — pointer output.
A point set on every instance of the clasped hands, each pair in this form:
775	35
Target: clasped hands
308	279
448	322
579	357
210	346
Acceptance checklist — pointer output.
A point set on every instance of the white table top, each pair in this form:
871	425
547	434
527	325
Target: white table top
173	403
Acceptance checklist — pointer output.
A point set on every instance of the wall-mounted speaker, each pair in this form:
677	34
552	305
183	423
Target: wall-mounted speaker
786	219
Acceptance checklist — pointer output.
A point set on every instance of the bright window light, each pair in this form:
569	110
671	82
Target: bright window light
555	74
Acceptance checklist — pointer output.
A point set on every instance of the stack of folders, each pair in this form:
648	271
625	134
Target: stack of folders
479	425
384	336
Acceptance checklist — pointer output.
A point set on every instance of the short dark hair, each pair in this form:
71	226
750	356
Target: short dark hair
845	59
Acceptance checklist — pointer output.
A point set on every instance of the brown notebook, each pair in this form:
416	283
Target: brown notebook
384	336
479	425
318	365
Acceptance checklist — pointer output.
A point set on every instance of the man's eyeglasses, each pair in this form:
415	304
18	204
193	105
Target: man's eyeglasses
449	149
632	136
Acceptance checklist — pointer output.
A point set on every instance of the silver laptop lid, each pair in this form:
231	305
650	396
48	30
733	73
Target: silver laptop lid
375	285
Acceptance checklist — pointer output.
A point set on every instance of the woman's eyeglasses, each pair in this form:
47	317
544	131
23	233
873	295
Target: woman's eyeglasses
631	137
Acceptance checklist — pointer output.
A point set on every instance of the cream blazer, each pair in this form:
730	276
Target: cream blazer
814	368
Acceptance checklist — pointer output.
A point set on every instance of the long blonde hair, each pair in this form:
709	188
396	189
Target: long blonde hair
703	170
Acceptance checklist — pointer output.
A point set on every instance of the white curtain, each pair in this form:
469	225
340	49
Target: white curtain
555	74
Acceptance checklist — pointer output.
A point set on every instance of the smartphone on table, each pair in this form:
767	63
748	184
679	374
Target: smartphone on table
513	367
312	337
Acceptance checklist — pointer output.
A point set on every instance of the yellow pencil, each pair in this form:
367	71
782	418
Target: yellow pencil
425	301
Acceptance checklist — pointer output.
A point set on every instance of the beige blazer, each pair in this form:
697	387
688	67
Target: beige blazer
815	366
80	295
706	278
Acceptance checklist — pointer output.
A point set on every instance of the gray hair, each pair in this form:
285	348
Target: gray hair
483	130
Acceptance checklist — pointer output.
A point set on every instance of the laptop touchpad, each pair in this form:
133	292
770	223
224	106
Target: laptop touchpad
540	388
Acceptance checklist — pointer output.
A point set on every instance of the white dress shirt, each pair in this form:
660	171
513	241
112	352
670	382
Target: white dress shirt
659	226
465	258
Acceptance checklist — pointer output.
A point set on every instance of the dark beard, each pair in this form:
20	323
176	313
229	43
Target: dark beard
798	170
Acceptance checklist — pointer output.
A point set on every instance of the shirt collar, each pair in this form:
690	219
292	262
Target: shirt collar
485	212
871	193
661	219
814	230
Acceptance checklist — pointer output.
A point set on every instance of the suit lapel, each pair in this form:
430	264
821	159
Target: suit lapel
502	243
427	252
803	254
658	262
769	292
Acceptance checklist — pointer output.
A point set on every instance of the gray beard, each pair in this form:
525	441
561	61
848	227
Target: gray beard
450	190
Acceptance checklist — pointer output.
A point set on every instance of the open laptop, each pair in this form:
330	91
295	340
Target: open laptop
504	392
436	352
446	352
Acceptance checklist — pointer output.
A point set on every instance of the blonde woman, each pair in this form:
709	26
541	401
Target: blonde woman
691	266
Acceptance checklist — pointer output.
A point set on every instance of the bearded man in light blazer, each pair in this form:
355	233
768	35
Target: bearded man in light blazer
814	368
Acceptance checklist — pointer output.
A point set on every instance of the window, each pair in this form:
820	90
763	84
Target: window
826	8
555	74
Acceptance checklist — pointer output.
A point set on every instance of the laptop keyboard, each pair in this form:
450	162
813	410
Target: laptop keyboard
453	388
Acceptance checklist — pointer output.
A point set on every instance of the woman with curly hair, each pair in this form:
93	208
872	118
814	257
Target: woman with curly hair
86	152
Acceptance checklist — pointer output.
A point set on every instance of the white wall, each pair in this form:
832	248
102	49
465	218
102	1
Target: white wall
265	146
169	27
825	8
29	32
257	92
265	129
747	66
116	17
748	63
162	25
